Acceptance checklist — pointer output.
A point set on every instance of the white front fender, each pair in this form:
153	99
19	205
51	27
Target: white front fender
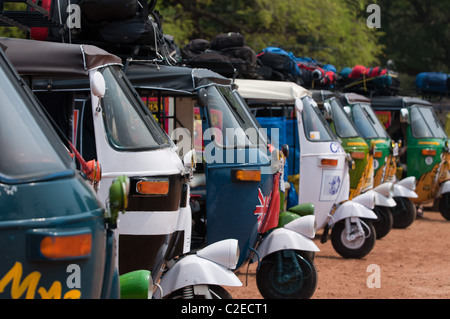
352	209
445	188
383	195
405	188
193	270
381	200
283	239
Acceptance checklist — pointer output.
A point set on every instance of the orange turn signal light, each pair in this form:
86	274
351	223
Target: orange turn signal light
358	155
247	175
152	187
329	161
428	152
377	154
57	247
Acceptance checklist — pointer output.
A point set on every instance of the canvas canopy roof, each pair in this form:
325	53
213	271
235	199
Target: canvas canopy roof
395	103
271	90
172	78
356	98
344	98
322	95
41	58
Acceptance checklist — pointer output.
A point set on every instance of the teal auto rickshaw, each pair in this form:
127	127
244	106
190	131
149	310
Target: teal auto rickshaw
425	147
235	188
89	99
56	238
385	156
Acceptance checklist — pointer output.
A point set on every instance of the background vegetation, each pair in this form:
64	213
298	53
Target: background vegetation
414	34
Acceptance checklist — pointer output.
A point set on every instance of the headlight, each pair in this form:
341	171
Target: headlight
386	189
408	182
224	252
305	225
366	199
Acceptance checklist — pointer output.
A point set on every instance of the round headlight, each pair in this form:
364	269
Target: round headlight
224	252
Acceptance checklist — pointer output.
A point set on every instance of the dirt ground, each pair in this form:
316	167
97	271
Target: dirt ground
413	263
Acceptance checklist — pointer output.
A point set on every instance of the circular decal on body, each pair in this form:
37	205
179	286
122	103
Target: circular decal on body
376	164
429	160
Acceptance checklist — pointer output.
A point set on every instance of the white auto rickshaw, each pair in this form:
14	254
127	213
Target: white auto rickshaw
323	166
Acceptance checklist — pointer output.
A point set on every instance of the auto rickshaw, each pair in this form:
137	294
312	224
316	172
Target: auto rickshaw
56	240
87	95
385	156
425	147
361	176
235	189
322	165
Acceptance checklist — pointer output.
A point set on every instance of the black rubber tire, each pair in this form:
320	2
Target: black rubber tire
358	251
404	212
444	205
385	221
303	288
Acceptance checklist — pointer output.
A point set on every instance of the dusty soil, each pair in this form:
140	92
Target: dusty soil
413	263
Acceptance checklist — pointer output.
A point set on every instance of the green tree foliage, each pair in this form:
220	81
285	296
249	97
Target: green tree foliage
417	34
330	31
13	32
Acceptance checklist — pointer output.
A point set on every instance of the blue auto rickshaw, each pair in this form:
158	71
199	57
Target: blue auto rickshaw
235	189
54	235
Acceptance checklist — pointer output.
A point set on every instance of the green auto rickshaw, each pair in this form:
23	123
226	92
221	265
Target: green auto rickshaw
385	157
425	147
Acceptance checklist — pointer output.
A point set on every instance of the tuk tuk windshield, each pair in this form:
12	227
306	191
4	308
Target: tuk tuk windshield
343	125
245	108
28	149
425	124
129	126
367	122
316	129
232	125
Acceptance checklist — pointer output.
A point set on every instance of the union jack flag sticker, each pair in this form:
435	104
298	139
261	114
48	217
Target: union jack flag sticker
262	209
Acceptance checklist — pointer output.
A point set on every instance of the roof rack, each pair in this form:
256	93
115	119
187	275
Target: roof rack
34	16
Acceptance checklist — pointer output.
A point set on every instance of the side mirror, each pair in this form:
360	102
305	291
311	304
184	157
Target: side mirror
190	159
190	162
98	85
327	111
350	161
347	110
203	97
404	116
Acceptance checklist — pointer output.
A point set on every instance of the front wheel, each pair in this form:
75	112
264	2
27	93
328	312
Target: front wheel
357	243
404	212
384	222
209	292
287	274
444	205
